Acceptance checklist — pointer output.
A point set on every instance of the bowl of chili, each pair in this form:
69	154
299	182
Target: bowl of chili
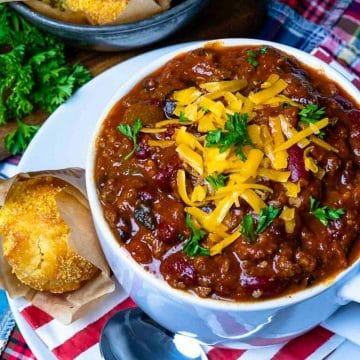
223	181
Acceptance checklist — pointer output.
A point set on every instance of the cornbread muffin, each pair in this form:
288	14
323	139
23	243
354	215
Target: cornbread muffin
99	11
35	238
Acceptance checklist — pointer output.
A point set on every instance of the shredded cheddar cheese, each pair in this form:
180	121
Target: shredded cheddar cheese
309	161
266	94
161	143
191	157
163	123
323	144
280	158
292	189
312	129
275	175
181	185
217	249
253	200
152	131
288	215
187	96
205	111
231	85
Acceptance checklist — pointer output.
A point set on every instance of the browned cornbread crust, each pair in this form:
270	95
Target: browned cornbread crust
35	239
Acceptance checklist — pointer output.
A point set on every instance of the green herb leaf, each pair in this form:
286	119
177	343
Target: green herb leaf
267	216
263	50
252	58
236	135
132	134
17	141
204	109
192	247
321	134
311	114
33	71
183	118
247	228
218	181
324	213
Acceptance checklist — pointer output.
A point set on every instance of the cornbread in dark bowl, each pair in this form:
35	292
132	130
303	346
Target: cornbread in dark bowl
118	37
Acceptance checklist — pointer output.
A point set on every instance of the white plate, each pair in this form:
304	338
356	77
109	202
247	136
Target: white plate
62	142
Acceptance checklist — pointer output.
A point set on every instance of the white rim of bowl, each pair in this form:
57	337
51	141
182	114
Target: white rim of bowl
97	212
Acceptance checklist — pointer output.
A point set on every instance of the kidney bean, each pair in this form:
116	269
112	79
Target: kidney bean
170	131
144	149
296	163
178	267
166	173
166	233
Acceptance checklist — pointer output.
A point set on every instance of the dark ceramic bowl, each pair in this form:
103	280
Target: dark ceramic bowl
117	37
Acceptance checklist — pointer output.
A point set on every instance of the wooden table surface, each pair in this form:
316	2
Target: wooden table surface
221	19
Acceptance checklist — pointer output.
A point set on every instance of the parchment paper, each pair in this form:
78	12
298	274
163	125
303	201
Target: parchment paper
74	209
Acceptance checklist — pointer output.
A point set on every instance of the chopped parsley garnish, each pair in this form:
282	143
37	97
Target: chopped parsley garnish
132	134
247	228
183	118
263	50
324	213
34	75
267	216
251	58
204	109
192	246
218	181
311	114
236	135
17	141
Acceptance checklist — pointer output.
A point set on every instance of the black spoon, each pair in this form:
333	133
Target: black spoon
131	335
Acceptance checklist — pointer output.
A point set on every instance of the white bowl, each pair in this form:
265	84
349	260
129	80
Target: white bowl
229	324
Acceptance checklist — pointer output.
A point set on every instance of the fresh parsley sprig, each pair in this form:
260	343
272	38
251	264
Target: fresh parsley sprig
192	247
131	132
324	213
251	58
236	135
266	217
247	228
183	118
17	141
217	181
33	75
263	50
311	114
